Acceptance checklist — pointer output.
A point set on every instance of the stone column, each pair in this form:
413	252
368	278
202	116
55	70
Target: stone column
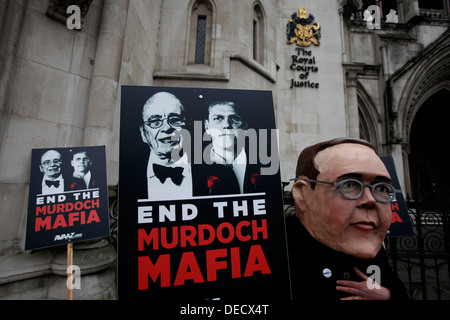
11	33
351	72
105	78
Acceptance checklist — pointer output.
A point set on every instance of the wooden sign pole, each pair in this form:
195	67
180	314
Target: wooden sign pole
69	274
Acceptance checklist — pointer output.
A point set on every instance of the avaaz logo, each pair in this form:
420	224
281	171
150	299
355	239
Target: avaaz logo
67	236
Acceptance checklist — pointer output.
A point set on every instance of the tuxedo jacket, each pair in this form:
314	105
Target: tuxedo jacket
79	184
214	179
38	188
218	179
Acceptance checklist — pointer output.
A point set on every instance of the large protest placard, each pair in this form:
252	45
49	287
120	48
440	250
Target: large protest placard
68	198
200	196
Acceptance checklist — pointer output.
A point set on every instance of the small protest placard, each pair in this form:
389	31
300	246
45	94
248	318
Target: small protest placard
68	198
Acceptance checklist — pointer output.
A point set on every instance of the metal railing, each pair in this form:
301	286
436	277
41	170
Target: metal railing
422	260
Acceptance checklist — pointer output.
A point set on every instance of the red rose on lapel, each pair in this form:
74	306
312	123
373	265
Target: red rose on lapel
254	177
212	180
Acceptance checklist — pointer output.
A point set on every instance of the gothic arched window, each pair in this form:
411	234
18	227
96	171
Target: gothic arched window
258	33
200	33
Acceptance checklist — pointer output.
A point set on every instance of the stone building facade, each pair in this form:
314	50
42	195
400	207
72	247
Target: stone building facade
378	74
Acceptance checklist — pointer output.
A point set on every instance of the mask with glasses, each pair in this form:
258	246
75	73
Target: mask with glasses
353	189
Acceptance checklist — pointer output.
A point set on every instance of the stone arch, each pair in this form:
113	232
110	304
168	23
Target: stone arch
429	73
412	85
369	118
428	142
425	94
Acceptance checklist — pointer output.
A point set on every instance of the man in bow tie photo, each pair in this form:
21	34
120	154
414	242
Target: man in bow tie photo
164	117
51	167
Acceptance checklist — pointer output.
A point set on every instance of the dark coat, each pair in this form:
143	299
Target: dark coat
203	179
79	184
308	259
214	179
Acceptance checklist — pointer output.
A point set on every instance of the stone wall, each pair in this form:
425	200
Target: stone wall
304	115
61	87
46	76
41	275
46	81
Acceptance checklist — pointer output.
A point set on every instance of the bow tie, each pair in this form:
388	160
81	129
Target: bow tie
163	172
50	183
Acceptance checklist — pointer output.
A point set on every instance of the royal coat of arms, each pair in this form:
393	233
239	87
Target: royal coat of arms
302	29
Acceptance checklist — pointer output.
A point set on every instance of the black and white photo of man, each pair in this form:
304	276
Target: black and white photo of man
82	174
163	117
226	127
51	167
